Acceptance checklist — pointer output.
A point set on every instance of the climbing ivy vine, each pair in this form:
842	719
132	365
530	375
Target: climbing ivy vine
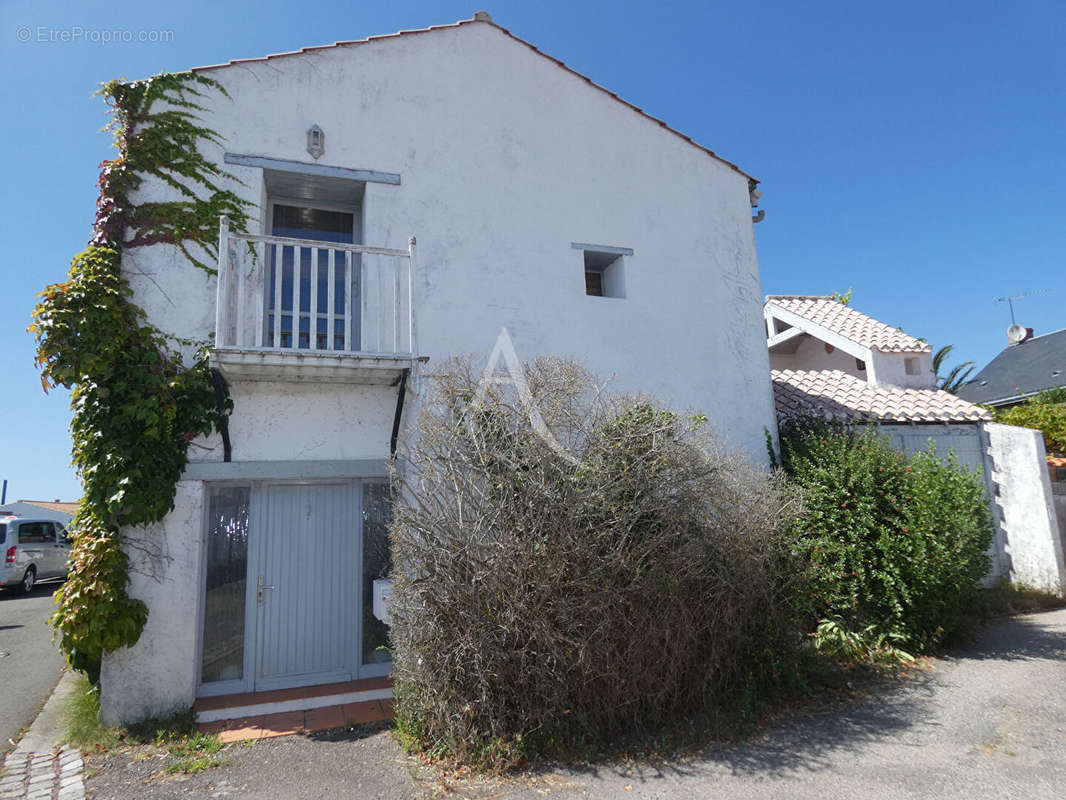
136	402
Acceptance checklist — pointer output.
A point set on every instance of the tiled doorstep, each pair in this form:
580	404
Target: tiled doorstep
307	703
299	693
286	723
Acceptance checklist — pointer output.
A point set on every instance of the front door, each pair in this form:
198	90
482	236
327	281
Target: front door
291	572
305	584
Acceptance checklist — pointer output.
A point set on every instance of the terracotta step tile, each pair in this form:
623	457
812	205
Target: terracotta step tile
250	729
321	719
282	724
361	713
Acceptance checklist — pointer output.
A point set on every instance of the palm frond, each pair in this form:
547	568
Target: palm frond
957	377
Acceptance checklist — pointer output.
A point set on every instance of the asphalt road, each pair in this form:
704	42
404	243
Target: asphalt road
29	663
989	722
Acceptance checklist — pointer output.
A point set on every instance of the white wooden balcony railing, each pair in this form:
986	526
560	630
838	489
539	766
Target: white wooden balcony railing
303	309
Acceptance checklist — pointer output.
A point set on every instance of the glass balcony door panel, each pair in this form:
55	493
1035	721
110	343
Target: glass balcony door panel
280	335
318	224
316	282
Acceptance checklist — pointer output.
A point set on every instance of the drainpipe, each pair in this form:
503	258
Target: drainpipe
218	383
400	395
753	196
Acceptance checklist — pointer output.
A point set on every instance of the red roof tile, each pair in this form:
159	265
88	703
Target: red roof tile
851	324
833	394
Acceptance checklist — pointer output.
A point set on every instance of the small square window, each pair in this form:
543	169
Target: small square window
910	366
604	270
860	365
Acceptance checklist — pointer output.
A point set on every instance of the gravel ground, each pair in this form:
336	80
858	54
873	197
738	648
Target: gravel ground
363	762
989	722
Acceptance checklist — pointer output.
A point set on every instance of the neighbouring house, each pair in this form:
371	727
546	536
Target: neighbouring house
1027	366
830	360
57	510
414	194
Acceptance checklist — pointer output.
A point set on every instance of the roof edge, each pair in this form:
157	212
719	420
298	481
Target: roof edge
483	19
925	348
771	297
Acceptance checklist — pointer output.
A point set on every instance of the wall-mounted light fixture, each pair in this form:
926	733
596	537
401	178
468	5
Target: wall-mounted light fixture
316	141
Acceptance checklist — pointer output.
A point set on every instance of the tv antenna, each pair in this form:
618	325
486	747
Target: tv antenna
1010	301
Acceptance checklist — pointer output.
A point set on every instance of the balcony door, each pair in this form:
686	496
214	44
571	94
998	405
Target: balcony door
313	280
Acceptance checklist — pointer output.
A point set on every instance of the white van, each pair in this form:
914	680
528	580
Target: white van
34	549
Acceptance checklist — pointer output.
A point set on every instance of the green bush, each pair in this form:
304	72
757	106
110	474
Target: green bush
896	545
1047	413
546	603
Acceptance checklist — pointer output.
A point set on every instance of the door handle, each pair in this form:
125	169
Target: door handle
260	586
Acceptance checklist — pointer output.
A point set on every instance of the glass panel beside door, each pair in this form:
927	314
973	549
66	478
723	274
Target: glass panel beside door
298	269
224	592
377	566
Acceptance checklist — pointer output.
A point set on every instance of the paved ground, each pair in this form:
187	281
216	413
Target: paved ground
990	722
43	776
40	768
29	662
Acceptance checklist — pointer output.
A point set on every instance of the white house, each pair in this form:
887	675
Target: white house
434	187
57	510
831	360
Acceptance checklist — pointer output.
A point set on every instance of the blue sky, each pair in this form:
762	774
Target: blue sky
911	150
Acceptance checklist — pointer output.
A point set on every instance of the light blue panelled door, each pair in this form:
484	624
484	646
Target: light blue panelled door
305	591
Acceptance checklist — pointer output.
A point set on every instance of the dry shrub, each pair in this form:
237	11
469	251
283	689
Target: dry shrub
543	603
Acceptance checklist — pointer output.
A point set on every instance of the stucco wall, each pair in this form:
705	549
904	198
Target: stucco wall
306	422
811	354
1032	542
505	160
158	675
890	369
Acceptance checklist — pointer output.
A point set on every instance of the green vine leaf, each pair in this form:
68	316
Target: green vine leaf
136	403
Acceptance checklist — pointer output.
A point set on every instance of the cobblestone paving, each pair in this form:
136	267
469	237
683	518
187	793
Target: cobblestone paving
43	776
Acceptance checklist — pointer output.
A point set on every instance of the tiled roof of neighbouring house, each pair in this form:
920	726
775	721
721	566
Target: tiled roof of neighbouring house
1021	370
65	508
849	323
60	506
834	394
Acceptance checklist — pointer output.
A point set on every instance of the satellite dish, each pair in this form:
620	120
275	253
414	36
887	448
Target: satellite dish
1016	334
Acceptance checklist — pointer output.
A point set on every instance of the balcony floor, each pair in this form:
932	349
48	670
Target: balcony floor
309	366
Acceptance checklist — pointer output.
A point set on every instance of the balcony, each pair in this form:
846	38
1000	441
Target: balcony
306	310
